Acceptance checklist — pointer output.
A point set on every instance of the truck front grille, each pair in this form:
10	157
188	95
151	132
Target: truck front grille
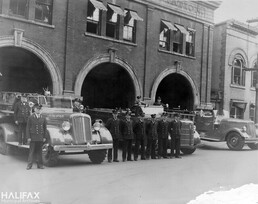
81	124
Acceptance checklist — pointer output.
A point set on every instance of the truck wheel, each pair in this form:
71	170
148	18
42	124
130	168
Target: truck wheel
253	146
188	150
97	156
49	156
4	148
235	141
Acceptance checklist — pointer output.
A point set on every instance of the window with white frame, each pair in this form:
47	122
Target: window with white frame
254	76
164	36
129	30
113	19
238	74
190	39
19	8
43	11
94	13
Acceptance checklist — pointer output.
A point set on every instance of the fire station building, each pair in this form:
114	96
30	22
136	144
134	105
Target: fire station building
109	51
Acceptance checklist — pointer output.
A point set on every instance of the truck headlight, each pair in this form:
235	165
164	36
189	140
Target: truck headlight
66	126
97	126
244	129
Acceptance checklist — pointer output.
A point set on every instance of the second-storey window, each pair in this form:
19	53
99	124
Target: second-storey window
43	11
177	37
94	13
129	27
19	8
238	74
113	19
190	43
254	76
164	35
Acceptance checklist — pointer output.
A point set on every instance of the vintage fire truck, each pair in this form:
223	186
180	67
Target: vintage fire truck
68	132
189	139
235	132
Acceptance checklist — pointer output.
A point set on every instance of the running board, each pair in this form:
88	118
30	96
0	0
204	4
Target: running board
210	139
17	144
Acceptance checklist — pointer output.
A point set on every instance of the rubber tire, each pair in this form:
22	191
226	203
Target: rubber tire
235	141
49	156
188	150
97	156
4	148
253	146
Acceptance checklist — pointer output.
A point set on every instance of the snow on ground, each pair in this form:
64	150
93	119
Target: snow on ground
247	194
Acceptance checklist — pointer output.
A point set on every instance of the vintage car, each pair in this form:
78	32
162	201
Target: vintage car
190	138
68	132
236	132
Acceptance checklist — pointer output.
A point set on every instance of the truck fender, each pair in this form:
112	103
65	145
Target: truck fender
105	135
56	136
9	132
236	130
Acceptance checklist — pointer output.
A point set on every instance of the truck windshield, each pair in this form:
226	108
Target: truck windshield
59	102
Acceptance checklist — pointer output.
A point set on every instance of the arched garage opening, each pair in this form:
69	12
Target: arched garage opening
23	71
108	85
176	91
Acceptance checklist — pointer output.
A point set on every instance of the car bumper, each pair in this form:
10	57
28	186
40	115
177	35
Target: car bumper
87	147
251	140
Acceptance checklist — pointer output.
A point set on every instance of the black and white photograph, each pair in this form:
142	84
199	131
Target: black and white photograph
128	102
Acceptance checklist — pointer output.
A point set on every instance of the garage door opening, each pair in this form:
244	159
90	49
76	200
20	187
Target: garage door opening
108	85
23	71
176	91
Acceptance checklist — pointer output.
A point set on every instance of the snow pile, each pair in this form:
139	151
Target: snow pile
247	194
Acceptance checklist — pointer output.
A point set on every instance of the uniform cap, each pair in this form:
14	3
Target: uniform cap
153	115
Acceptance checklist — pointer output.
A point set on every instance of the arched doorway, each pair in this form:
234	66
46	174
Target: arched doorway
23	71
108	85
176	91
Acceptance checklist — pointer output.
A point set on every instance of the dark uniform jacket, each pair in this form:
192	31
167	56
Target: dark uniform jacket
163	128
21	112
152	130
127	129
114	127
36	128
140	129
176	128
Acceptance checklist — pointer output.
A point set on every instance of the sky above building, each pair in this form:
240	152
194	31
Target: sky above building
240	10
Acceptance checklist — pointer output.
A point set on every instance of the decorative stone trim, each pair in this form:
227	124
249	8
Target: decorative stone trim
18	36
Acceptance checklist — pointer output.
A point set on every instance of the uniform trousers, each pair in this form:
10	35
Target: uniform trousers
35	152
115	150
150	151
22	133
175	146
127	149
139	142
162	147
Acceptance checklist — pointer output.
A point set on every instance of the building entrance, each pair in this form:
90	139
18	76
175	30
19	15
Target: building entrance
23	71
108	85
176	91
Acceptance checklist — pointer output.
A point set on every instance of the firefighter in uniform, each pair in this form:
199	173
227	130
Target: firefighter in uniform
128	136
140	136
176	126
36	133
22	111
163	128
113	125
77	105
152	136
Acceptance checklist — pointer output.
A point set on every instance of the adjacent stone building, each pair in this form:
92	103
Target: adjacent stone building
235	47
109	51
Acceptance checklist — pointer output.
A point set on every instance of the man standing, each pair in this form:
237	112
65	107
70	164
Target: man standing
36	133
113	125
176	125
128	136
22	111
163	127
140	137
152	136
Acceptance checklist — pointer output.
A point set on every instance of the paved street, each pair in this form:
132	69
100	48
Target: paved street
76	180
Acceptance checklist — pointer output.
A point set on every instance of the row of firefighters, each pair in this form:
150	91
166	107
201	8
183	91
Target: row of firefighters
153	131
